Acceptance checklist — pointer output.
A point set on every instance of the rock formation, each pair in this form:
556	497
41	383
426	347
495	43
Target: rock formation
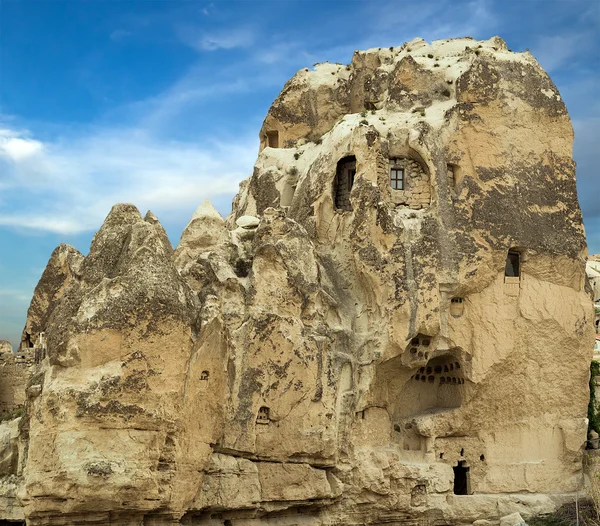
391	326
593	274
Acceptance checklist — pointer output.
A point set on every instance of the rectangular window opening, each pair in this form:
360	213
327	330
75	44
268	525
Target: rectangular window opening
513	264
273	139
397	178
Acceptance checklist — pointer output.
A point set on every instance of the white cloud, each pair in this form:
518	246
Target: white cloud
230	38
16	147
73	183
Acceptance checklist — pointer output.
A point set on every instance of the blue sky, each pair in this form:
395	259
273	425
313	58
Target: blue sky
159	103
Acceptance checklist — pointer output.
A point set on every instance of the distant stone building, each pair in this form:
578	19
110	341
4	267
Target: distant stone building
15	369
593	273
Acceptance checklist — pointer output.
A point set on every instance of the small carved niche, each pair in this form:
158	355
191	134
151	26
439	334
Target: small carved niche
418	495
204	376
273	139
457	307
453	174
264	415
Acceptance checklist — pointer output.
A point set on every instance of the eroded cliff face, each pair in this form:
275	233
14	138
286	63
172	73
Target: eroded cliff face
393	316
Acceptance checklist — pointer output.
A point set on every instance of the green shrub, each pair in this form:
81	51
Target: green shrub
11	415
593	416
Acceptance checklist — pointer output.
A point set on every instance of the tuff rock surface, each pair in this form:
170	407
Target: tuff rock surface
329	358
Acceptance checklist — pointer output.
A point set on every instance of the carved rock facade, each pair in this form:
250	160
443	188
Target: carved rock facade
389	360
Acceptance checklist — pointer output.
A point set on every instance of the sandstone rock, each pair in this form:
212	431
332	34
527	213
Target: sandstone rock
61	271
514	519
9	447
292	482
247	222
336	351
5	347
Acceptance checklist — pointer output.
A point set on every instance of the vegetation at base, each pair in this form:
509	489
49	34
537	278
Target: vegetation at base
547	520
11	415
584	513
593	416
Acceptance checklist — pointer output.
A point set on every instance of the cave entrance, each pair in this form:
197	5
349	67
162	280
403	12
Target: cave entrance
344	180
462	480
513	264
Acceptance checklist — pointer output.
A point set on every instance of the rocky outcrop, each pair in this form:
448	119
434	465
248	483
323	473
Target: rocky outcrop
376	334
61	270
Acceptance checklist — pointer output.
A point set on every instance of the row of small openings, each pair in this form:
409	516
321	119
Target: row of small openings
443	379
462	454
420	354
425	342
438	369
264	415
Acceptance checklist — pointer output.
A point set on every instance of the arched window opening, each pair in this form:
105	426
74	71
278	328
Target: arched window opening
344	180
457	307
264	415
28	341
204	375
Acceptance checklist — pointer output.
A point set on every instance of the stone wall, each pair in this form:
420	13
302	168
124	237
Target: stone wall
14	374
417	188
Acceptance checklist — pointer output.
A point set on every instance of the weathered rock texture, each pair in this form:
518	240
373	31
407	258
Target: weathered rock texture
308	361
15	371
593	273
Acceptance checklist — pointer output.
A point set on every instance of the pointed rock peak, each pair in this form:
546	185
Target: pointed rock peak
63	248
206	209
123	213
151	218
65	254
